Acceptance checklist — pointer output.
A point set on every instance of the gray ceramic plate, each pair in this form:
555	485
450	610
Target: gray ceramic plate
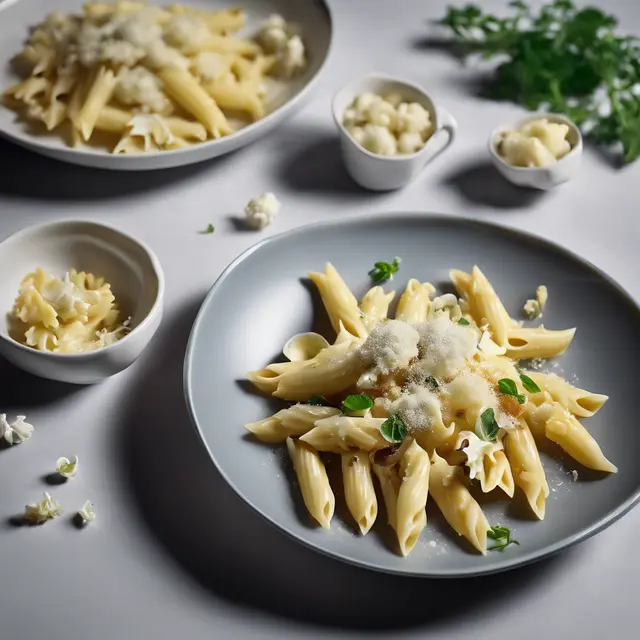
261	300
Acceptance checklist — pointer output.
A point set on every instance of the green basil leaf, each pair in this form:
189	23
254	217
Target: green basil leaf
358	402
486	426
529	384
463	321
393	429
509	388
210	229
318	401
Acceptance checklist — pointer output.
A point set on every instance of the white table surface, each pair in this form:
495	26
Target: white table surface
174	553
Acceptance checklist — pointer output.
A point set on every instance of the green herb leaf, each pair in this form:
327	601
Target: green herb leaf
358	402
502	537
318	401
383	271
560	58
463	321
486	426
509	388
393	429
529	384
210	229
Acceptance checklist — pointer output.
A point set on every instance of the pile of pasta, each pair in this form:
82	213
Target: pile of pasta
74	314
444	384
143	78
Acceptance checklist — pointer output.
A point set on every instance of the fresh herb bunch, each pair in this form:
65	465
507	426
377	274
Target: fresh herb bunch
563	59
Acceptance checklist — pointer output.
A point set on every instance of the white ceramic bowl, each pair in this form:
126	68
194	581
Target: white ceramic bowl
385	173
132	269
543	178
313	17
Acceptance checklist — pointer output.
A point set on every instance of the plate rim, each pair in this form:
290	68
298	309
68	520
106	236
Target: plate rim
235	140
506	565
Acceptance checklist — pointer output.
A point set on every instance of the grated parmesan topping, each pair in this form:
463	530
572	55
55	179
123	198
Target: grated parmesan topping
418	407
444	346
390	346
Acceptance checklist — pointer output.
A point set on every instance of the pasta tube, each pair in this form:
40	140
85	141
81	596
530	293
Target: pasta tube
313	481
489	307
358	489
99	94
457	505
538	342
375	306
340	434
414	303
295	421
411	517
526	467
340	303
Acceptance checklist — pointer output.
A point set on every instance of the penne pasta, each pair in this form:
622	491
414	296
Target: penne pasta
414	303
358	489
295	421
338	434
390	485
526	467
525	342
313	481
97	97
375	306
411	517
579	402
457	505
340	303
489	308
182	87
239	96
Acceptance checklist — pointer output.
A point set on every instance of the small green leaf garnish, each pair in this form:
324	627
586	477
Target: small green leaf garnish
210	229
432	382
509	388
318	401
359	402
383	271
393	429
502	537
529	384
464	322
486	427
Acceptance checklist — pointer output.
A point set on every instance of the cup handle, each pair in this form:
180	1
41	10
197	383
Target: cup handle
449	126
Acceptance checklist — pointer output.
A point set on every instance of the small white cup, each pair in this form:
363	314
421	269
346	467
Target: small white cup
131	268
385	173
543	178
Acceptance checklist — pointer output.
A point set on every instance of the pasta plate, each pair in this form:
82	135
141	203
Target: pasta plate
601	357
283	95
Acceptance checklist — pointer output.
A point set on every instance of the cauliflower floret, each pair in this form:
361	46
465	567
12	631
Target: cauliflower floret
521	151
383	114
292	58
210	65
138	86
551	134
379	140
160	55
410	142
140	30
187	33
261	211
273	34
394	99
413	117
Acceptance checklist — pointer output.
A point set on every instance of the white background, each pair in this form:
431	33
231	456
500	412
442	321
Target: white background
174	554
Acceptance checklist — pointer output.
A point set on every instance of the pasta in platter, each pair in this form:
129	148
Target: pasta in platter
150	78
431	403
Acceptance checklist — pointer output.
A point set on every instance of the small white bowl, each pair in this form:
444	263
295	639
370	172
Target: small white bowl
385	173
543	178
132	269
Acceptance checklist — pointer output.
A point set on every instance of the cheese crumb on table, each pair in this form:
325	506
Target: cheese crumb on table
16	432
87	513
574	475
261	211
46	509
67	468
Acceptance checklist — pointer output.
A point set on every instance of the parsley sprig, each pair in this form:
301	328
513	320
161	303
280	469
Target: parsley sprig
502	538
383	271
562	59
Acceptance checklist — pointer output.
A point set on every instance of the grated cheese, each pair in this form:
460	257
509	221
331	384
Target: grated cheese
444	346
419	408
390	346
